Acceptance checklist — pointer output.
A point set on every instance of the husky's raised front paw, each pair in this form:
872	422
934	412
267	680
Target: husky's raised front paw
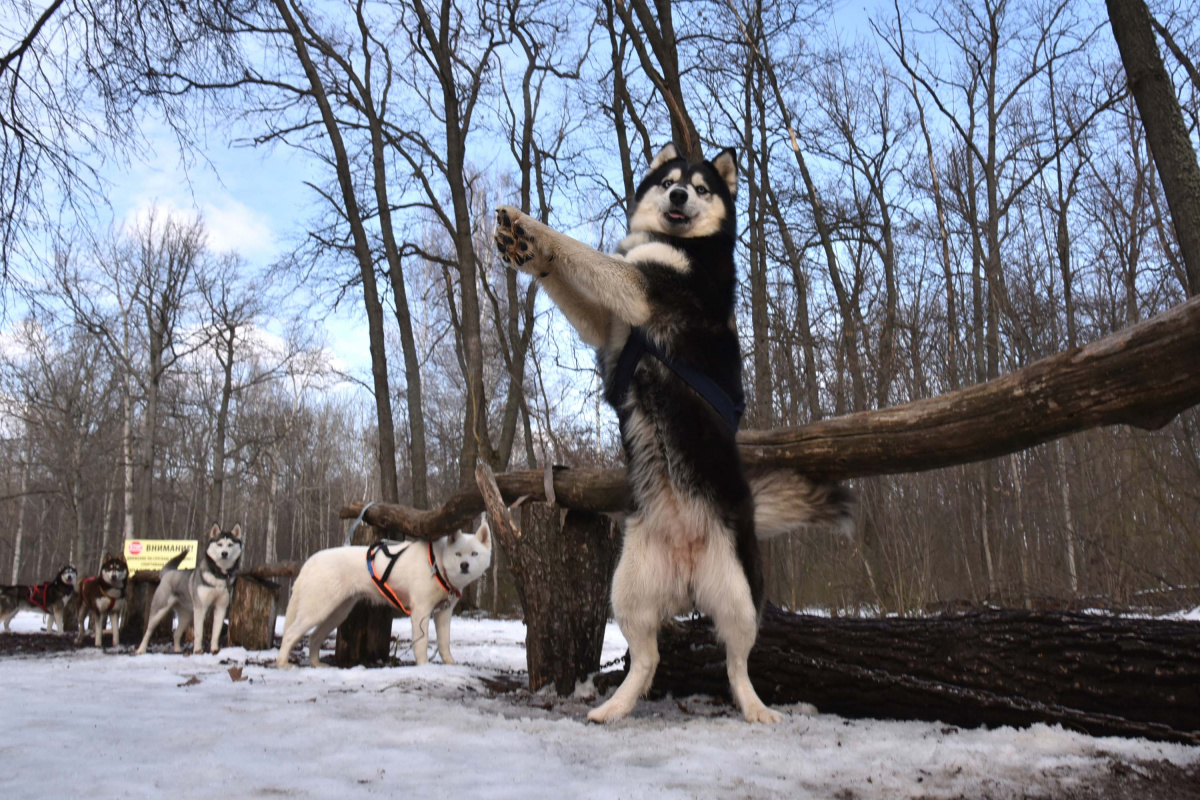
516	243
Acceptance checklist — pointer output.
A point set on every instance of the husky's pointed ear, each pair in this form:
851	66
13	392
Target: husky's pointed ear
452	538
726	166
214	531
237	531
484	532
669	153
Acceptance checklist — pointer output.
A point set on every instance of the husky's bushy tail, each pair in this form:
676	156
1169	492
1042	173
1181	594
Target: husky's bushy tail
786	501
176	560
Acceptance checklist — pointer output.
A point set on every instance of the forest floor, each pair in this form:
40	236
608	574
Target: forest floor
109	724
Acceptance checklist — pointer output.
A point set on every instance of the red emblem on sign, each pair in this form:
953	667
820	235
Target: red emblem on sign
135	548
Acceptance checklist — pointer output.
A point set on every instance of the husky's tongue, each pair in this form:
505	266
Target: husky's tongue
676	216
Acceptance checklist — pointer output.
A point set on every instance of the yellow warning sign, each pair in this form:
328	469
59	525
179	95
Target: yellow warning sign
151	554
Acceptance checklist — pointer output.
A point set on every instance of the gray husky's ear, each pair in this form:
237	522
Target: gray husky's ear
237	532
215	531
484	531
668	153
726	166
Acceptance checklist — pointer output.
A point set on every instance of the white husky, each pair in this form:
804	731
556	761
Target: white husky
417	578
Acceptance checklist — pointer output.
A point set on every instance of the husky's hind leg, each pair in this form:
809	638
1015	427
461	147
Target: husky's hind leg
641	597
723	591
317	638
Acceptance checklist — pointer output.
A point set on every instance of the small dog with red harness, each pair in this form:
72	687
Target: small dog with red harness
103	597
417	578
49	598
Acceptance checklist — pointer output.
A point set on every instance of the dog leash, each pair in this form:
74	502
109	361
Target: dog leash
358	521
637	345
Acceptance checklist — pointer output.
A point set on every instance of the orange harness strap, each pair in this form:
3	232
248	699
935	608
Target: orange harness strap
381	583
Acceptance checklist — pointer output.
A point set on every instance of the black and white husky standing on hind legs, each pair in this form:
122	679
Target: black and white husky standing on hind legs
661	314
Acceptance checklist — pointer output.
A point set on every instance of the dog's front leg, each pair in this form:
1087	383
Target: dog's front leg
218	622
117	620
442	620
420	635
99	629
610	281
198	613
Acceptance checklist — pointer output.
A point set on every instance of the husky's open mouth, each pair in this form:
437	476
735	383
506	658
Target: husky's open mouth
676	217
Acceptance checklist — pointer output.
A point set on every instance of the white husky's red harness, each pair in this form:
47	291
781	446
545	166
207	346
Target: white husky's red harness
380	581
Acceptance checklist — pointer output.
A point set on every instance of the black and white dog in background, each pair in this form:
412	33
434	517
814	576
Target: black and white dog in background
49	598
661	314
192	592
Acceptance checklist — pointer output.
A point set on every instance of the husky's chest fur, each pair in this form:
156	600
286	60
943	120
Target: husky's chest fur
684	469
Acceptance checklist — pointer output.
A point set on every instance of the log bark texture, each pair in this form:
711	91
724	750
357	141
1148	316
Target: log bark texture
1143	376
252	613
365	636
1099	675
562	562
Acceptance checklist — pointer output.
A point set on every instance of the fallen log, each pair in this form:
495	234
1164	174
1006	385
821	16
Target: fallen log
1100	675
1143	376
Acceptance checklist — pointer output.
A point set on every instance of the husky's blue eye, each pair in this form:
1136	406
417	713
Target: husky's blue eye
700	190
667	183
474	553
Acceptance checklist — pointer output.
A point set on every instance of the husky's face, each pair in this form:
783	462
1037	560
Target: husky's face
686	200
68	575
114	570
225	547
467	556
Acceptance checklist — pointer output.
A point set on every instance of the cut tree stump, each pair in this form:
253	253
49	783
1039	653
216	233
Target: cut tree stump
252	613
365	636
1099	675
562	563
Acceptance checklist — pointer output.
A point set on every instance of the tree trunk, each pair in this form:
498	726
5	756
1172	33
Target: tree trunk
270	549
1166	130
252	613
386	450
366	635
20	535
127	456
217	500
562	562
1104	676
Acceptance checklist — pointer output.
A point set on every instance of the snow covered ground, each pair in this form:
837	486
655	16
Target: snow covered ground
81	722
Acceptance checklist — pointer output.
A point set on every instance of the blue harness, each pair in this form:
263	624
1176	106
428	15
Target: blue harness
730	408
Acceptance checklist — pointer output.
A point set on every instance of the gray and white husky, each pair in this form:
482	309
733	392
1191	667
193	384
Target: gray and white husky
418	578
192	592
661	314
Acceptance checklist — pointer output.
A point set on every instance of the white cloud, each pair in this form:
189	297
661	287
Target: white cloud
231	225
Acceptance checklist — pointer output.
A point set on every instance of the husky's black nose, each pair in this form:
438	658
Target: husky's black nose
465	566
678	196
